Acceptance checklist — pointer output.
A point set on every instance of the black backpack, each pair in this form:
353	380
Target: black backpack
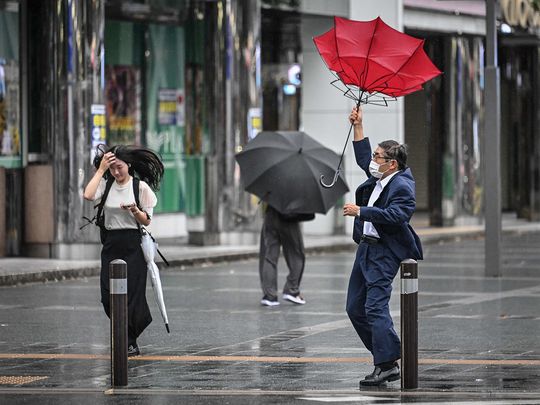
99	218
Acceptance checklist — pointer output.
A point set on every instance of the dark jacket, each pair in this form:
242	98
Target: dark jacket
291	217
391	213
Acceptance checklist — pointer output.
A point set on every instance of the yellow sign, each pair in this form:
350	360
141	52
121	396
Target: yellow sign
520	13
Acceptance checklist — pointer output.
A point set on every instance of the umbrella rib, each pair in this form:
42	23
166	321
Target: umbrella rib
383	79
337	52
366	70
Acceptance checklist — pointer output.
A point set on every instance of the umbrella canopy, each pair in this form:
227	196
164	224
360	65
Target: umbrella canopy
283	169
149	249
372	59
374	63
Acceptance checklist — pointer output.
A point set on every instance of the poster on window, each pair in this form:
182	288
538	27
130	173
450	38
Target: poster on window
10	144
123	104
171	107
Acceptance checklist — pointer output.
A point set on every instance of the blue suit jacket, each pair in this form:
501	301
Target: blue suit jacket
391	213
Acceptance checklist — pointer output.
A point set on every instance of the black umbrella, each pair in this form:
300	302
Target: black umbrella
284	168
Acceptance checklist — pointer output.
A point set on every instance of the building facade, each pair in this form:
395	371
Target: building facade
195	80
181	77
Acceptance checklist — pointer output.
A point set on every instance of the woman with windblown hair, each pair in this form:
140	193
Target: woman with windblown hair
121	236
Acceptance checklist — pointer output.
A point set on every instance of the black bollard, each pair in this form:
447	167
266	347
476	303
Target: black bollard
409	324
119	322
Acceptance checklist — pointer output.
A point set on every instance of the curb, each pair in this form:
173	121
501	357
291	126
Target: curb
56	275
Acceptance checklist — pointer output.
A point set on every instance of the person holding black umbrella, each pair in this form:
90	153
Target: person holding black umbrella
384	205
282	230
283	168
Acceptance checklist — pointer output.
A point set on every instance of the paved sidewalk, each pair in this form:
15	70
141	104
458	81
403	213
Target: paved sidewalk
477	337
22	270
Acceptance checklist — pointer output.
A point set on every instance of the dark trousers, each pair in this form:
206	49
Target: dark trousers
126	245
368	296
276	233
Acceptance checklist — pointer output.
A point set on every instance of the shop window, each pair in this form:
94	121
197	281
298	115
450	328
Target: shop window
165	132
123	84
10	136
145	99
281	69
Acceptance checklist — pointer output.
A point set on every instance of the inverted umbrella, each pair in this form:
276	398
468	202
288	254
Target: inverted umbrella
283	168
149	249
373	62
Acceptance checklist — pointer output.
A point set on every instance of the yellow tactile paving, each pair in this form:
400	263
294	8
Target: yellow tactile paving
19	379
265	359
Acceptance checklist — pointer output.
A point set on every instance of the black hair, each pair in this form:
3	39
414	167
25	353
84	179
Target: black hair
395	151
143	162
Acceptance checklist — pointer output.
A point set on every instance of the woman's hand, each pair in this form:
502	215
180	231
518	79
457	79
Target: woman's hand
108	159
351	210
92	186
139	215
132	207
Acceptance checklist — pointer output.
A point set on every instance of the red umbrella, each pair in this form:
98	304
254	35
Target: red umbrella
375	58
374	63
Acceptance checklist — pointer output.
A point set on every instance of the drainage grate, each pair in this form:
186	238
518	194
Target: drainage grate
19	379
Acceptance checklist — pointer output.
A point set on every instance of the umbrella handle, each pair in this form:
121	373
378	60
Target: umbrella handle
336	175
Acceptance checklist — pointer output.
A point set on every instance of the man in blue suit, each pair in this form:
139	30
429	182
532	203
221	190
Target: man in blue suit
385	203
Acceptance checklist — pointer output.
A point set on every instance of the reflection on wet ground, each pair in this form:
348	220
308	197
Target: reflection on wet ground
478	337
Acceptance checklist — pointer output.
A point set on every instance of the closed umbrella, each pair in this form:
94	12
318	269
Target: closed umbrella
149	249
283	168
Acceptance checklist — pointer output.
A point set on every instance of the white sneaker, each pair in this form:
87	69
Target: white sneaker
297	299
269	303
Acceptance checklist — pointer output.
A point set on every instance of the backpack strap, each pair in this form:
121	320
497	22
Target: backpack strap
101	204
136	183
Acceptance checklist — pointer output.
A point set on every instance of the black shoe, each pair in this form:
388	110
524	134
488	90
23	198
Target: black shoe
378	376
384	367
133	350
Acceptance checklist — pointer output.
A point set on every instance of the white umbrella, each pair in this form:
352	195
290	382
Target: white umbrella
149	248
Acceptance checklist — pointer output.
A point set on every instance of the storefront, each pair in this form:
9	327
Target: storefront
444	124
11	142
153	79
97	72
182	78
444	129
519	60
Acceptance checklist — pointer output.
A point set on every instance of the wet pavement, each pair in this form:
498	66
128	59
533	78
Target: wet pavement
478	337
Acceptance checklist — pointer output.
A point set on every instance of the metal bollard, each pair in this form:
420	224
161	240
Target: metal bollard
119	322
409	324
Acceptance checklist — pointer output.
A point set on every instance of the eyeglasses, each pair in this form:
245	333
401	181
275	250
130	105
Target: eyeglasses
376	156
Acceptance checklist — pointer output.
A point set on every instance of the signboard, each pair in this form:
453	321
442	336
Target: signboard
98	125
520	13
171	107
254	122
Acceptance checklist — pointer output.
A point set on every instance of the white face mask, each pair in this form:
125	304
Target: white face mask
374	169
